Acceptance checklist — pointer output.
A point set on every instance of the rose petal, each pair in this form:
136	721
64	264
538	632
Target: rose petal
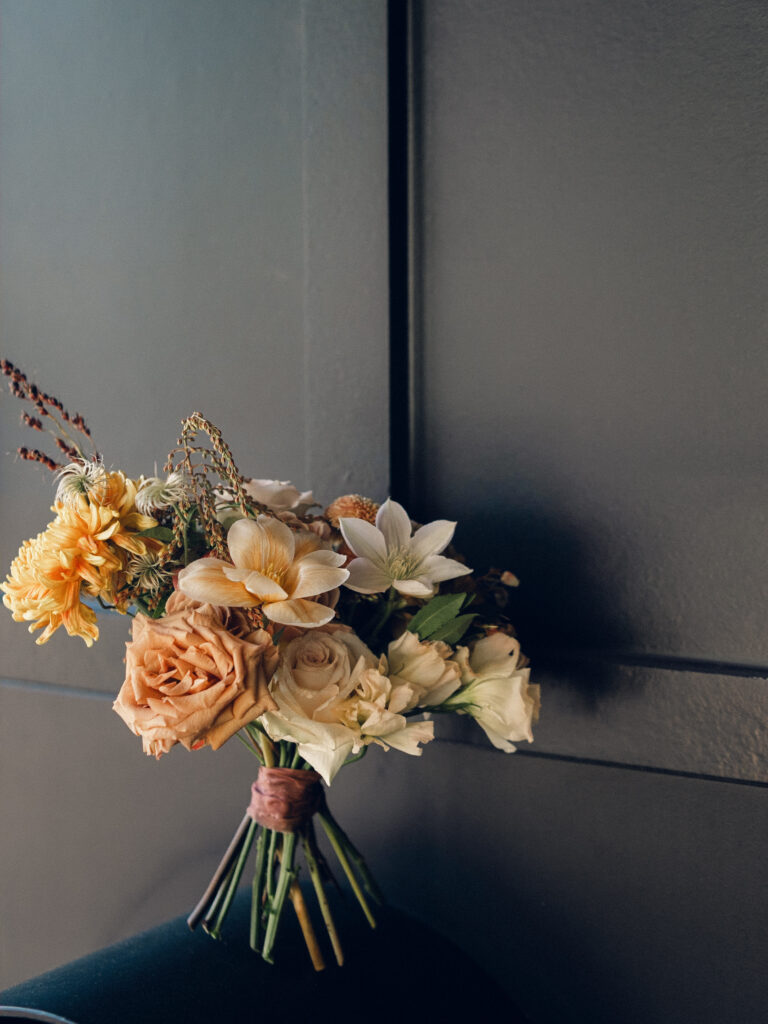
265	543
364	539
393	521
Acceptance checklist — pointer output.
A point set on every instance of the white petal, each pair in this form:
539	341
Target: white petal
395	524
495	651
363	538
367	578
260	543
298	613
408	739
326	760
313	578
204	581
419	587
326	557
439	568
432	538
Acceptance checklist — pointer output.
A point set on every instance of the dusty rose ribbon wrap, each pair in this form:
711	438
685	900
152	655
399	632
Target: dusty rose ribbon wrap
284	799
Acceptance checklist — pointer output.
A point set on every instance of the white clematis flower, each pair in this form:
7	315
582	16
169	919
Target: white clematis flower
274	568
388	556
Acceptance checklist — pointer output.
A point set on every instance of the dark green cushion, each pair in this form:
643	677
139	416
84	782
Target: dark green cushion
402	971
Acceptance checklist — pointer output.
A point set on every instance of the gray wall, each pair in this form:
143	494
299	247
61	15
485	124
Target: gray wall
193	215
193	201
594	231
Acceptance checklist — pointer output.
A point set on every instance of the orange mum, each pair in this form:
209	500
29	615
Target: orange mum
85	549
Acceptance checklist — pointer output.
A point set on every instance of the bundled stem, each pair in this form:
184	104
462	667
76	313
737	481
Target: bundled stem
275	878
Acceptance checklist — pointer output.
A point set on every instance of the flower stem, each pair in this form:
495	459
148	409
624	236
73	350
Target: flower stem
392	602
364	871
308	844
234	880
332	831
213	910
267	749
270	886
305	923
287	874
257	890
222	871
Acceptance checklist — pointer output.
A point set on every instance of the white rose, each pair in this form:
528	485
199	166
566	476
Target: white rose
425	668
496	691
334	698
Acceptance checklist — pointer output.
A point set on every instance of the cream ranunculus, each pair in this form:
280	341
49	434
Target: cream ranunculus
279	495
424	667
194	676
274	568
495	690
333	699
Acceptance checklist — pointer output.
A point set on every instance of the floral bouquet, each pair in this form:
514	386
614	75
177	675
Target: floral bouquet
310	635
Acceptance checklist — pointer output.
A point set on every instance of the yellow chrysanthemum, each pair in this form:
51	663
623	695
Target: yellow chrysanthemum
85	549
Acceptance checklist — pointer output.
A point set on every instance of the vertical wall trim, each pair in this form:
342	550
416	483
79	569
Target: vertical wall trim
404	287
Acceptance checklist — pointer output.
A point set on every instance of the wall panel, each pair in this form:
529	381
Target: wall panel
193	216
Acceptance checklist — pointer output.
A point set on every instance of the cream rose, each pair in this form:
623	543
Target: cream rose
424	666
334	697
496	691
194	676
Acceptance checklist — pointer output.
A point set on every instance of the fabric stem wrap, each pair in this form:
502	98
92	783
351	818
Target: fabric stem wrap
284	799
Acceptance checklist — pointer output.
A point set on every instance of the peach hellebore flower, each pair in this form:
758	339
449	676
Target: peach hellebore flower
388	556
274	568
194	676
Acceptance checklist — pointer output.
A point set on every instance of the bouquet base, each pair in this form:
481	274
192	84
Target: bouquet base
279	823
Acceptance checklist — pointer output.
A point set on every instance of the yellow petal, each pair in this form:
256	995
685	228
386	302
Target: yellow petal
204	580
298	613
264	544
310	578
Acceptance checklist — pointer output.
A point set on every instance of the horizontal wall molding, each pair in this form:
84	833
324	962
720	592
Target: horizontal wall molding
664	662
701	724
55	689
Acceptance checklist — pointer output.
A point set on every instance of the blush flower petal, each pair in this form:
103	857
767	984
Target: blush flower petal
274	568
205	581
298	613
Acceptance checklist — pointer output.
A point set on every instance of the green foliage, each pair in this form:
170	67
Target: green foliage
161	533
453	631
438	615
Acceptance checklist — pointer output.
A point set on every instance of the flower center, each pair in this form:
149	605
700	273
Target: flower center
274	572
401	564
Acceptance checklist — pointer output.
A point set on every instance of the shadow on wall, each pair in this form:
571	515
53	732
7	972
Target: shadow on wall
564	612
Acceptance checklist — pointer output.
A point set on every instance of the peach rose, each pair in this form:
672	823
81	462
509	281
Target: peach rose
194	676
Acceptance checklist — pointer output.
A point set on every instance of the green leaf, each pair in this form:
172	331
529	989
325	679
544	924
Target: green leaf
161	533
453	631
436	614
